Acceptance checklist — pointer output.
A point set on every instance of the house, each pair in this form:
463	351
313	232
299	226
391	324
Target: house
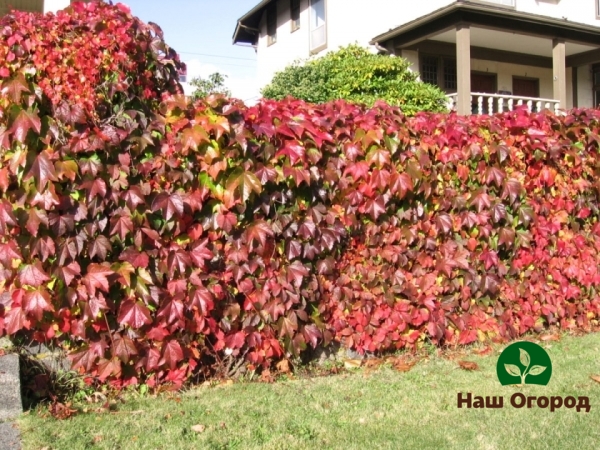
42	6
486	55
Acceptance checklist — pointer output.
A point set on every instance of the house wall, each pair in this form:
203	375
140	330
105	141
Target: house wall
348	21
505	72
582	11
55	5
585	97
289	46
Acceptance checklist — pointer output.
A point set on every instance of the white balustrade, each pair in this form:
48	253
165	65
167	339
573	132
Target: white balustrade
484	103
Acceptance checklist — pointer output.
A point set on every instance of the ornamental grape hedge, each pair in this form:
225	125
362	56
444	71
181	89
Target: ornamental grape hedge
154	239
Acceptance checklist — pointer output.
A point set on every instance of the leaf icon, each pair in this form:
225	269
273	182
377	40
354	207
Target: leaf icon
524	358
536	370
513	370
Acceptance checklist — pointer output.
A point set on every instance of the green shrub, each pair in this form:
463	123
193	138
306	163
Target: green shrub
355	74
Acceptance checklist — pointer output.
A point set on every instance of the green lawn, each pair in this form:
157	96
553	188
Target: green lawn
378	409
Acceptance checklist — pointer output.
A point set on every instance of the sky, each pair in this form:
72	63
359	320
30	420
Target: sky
201	32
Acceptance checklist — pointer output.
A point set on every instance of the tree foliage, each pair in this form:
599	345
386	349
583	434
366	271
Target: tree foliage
355	74
213	84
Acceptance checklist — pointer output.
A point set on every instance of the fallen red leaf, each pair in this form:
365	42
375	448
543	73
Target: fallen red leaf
468	365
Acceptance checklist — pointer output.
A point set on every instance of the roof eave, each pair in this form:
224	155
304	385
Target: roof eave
246	29
477	8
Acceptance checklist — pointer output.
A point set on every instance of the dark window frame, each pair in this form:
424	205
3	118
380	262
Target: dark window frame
271	20
537	81
446	78
295	14
318	48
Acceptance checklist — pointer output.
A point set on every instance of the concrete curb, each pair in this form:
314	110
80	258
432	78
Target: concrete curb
10	401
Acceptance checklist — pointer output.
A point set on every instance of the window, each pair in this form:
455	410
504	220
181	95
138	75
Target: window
318	30
439	71
272	24
295	14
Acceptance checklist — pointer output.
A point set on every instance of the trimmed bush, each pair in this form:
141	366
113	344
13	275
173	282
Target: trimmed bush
158	240
355	74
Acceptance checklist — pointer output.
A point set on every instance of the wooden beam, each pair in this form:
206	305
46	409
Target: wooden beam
575	86
463	69
559	71
483	53
581	59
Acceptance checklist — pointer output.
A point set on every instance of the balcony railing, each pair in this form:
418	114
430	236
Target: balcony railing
483	103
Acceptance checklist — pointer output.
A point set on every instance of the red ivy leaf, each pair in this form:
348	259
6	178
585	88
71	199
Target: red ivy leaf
401	183
36	302
135	258
199	253
171	354
494	175
258	231
124	348
296	273
481	200
33	275
243	184
444	222
96	278
235	340
25	121
202	300
6	217
171	205
68	272
512	190
135	314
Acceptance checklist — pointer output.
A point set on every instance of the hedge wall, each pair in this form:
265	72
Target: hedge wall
156	240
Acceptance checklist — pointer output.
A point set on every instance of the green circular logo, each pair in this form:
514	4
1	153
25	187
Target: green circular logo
524	363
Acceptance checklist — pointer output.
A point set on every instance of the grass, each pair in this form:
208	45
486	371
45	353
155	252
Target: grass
382	409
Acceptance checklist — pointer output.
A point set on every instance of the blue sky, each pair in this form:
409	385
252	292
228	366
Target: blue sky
199	28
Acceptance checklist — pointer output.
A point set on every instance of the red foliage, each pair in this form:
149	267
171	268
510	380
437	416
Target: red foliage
150	237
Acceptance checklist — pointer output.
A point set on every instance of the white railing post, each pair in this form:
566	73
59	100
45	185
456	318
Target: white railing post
496	103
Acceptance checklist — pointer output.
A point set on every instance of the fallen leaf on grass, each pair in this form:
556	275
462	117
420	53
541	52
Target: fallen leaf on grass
373	362
402	366
61	411
596	378
468	365
266	376
352	363
483	351
283	366
550	337
198	428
